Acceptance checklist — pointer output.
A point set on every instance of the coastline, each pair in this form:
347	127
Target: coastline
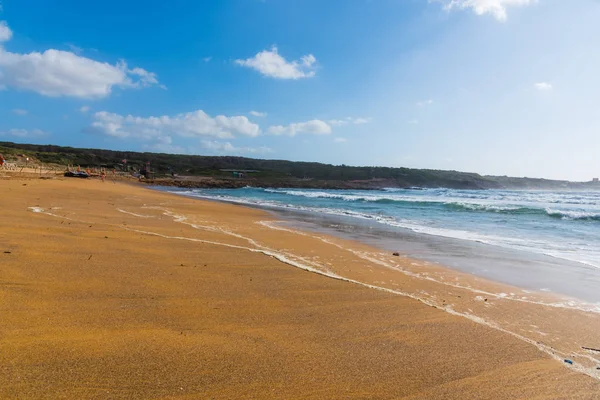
532	270
521	312
511	267
138	286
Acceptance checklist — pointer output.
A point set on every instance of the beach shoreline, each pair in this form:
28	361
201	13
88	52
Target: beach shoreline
532	271
132	234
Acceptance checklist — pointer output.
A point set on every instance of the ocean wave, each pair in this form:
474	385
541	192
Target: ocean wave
503	209
556	250
460	204
573	215
382	199
316	194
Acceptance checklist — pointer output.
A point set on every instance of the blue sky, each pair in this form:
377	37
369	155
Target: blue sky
506	87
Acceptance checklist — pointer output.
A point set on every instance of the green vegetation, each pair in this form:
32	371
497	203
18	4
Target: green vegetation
272	172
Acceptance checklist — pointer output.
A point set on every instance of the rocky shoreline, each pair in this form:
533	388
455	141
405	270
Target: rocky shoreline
232	183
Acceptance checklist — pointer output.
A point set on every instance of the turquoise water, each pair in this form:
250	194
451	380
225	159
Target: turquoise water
563	225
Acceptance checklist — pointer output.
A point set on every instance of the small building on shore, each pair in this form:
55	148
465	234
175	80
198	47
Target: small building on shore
239	173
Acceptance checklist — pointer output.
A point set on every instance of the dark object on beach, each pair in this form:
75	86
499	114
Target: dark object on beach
590	349
484	299
76	174
396	254
7	252
569	361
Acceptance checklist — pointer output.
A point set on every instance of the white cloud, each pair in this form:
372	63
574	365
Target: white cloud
228	148
19	111
5	32
315	127
191	124
423	103
543	86
414	122
207	59
497	8
348	120
84	109
74	49
258	113
23	133
271	64
340	140
58	73
145	78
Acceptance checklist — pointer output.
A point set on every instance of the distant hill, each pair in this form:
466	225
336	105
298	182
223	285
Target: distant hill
278	173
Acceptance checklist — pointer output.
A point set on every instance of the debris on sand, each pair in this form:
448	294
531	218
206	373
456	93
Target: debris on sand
76	174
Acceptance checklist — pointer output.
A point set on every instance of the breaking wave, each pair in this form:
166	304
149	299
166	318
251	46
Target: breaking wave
562	225
452	204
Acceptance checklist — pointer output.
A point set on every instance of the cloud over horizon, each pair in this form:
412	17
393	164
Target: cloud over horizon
161	129
228	148
23	133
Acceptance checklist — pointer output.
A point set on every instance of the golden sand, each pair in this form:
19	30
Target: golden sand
115	291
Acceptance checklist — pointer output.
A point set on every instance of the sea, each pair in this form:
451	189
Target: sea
535	239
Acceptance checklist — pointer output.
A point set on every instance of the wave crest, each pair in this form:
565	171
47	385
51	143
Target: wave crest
573	215
453	205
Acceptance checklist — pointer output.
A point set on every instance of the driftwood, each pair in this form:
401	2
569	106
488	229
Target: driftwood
590	349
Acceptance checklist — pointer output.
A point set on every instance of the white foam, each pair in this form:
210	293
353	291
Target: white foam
134	214
286	260
40	210
373	258
573	214
588	257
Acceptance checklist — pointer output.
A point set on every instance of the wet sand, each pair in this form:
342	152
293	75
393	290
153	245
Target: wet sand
526	270
115	291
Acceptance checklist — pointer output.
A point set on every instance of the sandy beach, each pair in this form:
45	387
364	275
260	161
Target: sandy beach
117	291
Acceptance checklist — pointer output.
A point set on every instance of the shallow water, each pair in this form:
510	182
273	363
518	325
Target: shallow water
539	240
